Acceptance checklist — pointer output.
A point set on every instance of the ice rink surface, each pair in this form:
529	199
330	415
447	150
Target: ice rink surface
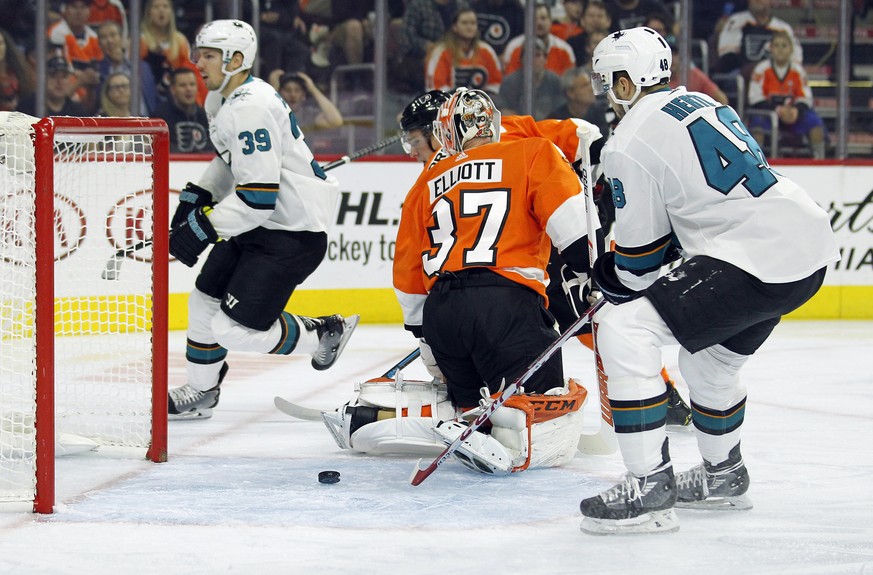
240	491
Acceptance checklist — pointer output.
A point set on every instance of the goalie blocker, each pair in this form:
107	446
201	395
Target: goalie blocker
403	417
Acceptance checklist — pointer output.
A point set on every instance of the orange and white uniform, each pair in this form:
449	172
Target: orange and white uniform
480	68
769	82
496	206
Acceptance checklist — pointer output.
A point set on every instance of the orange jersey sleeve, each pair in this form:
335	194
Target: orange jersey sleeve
562	133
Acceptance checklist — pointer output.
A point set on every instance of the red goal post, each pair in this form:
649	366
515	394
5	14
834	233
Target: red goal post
84	360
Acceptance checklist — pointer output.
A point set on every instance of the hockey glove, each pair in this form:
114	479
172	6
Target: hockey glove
607	281
577	289
429	361
192	236
191	198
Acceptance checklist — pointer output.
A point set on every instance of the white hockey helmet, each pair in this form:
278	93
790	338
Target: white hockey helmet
466	115
228	36
640	52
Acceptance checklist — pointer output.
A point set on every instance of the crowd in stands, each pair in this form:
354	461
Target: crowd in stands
431	44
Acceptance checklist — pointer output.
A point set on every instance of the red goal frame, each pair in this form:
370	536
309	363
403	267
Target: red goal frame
45	131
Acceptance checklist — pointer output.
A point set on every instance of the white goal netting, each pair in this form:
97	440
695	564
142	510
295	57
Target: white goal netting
103	202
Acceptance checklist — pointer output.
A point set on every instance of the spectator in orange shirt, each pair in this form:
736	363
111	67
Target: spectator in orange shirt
780	84
462	59
108	11
164	48
81	48
559	56
571	25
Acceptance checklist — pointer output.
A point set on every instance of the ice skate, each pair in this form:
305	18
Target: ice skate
634	505
678	412
718	487
188	403
333	335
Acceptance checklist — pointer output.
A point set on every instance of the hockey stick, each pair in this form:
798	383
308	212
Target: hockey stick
310	414
361	153
419	474
113	265
604	441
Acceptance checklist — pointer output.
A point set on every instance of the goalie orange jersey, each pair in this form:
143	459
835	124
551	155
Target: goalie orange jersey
489	207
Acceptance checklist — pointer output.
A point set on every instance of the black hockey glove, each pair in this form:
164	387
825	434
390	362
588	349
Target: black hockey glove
192	236
607	281
191	198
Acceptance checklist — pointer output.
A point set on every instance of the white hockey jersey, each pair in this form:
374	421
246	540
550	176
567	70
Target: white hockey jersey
685	170
277	184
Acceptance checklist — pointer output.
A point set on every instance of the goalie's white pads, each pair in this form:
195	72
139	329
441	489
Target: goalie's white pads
392	416
429	361
527	431
69	444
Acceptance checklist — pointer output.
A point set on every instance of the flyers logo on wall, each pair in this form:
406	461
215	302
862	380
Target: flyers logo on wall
128	222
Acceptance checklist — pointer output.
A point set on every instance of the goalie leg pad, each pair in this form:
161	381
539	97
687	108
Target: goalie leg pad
392	416
480	452
539	430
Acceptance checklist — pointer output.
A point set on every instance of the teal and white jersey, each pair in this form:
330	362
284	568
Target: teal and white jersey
277	184
685	170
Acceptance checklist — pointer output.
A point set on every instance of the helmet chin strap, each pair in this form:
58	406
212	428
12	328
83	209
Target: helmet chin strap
626	104
227	76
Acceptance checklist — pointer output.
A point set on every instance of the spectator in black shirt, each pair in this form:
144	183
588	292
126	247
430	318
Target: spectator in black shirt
58	88
187	121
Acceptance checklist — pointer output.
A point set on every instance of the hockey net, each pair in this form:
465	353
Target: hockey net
82	357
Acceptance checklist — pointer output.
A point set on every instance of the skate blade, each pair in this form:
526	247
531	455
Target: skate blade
647	524
349	325
204	413
738	503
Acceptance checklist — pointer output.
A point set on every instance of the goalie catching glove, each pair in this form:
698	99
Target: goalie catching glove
192	236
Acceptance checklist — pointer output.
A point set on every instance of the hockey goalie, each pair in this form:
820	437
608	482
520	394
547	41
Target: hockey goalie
408	417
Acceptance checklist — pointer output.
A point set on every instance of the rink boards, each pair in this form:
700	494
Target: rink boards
355	276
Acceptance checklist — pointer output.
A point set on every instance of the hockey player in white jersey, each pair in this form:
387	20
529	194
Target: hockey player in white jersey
687	177
266	205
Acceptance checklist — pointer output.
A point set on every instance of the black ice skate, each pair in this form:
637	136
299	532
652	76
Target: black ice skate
718	487
188	403
333	335
635	505
678	412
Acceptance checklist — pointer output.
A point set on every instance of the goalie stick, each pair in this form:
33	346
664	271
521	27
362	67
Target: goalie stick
310	414
419	474
113	265
604	441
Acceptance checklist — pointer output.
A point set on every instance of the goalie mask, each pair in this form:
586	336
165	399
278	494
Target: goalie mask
468	114
230	37
640	52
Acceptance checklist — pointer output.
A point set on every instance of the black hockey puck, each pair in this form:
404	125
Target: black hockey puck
329	477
